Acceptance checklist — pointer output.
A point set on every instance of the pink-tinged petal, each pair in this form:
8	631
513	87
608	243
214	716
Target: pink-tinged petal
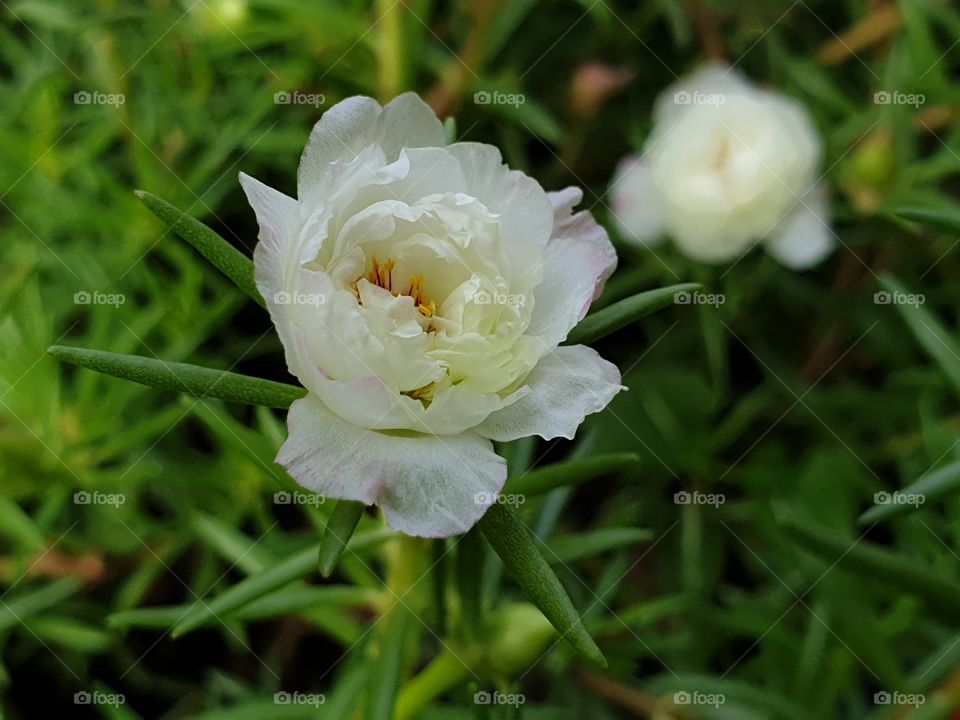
358	122
636	206
426	486
576	264
566	385
804	238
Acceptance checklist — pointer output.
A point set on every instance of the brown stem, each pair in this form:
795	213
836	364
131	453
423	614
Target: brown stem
707	31
638	703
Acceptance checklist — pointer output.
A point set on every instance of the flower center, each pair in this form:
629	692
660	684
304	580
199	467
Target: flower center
721	155
382	276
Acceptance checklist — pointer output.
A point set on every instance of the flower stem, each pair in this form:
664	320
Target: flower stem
391	49
446	671
404	560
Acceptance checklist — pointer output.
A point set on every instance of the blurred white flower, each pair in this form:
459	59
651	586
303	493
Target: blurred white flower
436	285
727	165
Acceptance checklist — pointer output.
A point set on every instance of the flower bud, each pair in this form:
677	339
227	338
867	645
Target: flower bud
867	172
519	635
592	84
220	16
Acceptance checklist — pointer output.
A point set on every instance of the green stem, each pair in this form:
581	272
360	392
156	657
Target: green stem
446	671
391	48
404	567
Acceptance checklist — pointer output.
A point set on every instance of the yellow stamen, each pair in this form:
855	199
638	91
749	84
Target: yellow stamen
382	276
421	393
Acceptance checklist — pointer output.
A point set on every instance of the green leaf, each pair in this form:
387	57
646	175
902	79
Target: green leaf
471	555
573	472
259	709
928	331
256	586
340	527
580	545
226	258
16	524
288	600
14	610
741	699
183	377
515	545
235	547
931	487
148	618
642	614
384	678
70	633
610	319
944	219
904	573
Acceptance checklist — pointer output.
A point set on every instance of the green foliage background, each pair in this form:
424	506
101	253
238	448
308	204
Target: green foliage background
798	398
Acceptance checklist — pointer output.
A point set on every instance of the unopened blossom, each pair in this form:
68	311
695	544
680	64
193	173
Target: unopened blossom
420	291
728	165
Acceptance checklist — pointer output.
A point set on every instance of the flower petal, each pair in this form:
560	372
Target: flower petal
278	217
566	385
358	122
425	485
576	263
525	213
709	79
804	238
636	208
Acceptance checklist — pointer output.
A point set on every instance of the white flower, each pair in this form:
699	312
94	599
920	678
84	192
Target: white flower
728	164
420	291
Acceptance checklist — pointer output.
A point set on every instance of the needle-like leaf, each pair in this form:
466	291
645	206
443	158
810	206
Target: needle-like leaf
183	377
613	317
224	256
515	546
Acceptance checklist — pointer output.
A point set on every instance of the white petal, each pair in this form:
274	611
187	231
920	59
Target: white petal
426	486
525	214
278	218
804	238
576	263
358	122
566	385
710	79
637	207
408	122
